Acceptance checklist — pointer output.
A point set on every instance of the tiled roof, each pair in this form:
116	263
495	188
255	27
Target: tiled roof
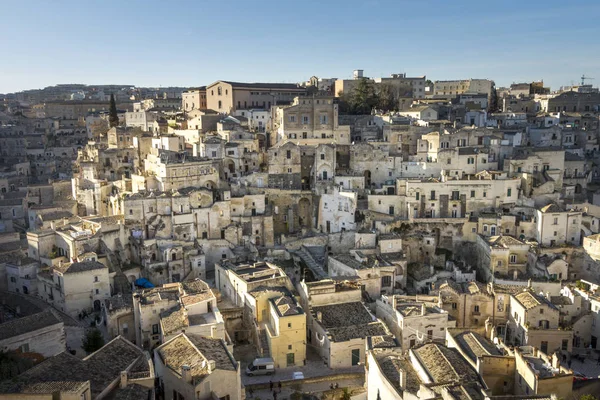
100	368
132	392
286	306
504	241
82	266
529	300
195	351
347	321
552	208
51	387
444	364
391	364
243	85
474	345
19	326
214	349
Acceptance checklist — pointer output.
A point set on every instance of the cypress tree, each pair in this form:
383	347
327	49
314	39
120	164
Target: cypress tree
113	118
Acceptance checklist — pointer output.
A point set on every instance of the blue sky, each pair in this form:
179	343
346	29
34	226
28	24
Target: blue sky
192	43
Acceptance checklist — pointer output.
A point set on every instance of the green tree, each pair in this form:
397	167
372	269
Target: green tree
346	395
113	117
363	97
387	99
493	105
93	340
588	397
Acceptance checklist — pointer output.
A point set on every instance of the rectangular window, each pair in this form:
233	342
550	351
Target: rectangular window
386	281
509	192
417	195
472	193
292	118
155	329
476	309
432	197
305	119
454	306
513	258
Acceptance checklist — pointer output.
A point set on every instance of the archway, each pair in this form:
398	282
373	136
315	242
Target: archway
229	165
210	184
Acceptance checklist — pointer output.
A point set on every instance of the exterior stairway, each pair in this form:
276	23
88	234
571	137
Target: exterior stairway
310	262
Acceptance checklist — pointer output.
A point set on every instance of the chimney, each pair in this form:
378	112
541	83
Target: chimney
555	361
212	365
402	379
186	373
123	383
319	316
423	309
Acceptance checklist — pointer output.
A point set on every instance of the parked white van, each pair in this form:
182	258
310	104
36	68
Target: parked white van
261	366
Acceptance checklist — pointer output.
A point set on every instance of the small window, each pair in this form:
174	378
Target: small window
476	308
454	306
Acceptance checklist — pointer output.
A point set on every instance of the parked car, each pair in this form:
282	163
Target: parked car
578	376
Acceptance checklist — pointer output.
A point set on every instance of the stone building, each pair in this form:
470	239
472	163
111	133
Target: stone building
74	287
193	366
469	303
574	102
194	99
226	96
502	256
535	322
310	121
413	323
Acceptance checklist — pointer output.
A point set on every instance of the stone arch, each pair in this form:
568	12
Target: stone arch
229	165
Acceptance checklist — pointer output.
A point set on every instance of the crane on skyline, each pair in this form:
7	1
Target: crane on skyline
585	78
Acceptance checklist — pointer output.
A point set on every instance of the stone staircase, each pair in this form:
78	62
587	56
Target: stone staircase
315	267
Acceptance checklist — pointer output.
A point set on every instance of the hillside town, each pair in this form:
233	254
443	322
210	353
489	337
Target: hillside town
369	238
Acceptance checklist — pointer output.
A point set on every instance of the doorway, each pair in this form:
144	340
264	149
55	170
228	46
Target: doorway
355	356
